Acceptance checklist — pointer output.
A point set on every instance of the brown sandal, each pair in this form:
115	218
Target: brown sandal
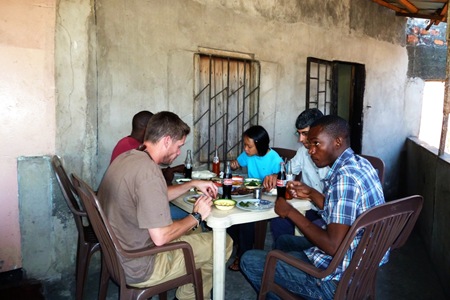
235	265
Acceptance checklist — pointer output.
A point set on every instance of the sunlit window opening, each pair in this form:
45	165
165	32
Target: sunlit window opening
432	106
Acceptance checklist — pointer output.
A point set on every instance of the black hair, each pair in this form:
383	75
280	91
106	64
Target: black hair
307	117
261	138
140	120
334	126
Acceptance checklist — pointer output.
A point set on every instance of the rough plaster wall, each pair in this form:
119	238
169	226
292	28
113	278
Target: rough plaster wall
76	107
27	103
48	230
427	175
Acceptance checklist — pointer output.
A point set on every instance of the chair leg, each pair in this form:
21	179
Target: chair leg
260	234
81	270
104	281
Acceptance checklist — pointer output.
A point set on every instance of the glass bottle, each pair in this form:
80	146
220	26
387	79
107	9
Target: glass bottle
188	165
289	177
281	181
216	163
227	182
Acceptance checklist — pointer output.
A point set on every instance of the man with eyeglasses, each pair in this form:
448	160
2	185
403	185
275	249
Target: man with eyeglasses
304	167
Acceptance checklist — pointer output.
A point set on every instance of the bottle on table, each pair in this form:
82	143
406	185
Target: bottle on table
188	165
227	184
216	163
289	177
281	181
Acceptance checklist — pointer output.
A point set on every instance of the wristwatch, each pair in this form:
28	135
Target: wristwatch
198	217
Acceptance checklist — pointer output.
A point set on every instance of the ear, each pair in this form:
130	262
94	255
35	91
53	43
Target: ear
166	141
338	142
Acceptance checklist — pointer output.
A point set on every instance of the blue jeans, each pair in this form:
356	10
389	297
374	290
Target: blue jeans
176	212
280	226
293	279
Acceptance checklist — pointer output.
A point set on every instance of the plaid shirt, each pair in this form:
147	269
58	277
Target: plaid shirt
351	187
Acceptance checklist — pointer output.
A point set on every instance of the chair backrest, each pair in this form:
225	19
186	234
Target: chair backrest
285	153
69	192
108	240
384	227
377	164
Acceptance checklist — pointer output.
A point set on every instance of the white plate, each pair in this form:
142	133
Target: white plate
254	204
189	199
203	174
272	192
241	196
182	180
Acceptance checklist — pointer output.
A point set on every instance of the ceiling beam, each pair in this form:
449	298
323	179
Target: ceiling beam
421	16
409	6
390	6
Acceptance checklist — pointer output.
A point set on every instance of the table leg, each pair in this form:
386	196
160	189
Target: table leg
219	241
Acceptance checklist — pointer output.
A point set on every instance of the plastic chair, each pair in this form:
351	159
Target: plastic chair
384	226
113	252
87	241
285	153
378	165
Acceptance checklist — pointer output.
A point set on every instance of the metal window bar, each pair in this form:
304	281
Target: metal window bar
226	103
319	85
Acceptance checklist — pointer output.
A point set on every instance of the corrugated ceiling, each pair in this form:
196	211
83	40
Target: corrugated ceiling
434	10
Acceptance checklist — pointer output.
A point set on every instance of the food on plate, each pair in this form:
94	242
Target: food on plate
252	182
237	180
240	191
224	204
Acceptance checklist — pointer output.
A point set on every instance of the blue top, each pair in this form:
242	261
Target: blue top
260	166
351	187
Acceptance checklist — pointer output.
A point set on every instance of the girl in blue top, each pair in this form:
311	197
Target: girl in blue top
260	161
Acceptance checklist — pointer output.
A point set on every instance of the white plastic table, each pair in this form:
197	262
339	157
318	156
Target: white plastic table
220	220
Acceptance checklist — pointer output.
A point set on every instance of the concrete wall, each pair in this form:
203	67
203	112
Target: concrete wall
427	175
116	57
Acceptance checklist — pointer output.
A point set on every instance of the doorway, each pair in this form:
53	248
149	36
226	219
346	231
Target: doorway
337	88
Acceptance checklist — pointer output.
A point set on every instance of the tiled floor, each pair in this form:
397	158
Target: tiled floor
408	275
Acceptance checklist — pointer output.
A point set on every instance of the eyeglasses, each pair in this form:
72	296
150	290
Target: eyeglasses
303	133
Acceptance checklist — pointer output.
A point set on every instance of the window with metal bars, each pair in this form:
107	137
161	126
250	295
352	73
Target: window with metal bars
226	103
319	86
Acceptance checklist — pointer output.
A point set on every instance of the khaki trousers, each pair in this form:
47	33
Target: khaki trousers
169	265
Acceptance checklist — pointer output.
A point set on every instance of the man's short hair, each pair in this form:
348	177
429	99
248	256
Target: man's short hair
140	120
307	117
165	123
334	126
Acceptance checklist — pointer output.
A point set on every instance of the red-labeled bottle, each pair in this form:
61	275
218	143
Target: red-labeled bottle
281	181
216	163
227	185
289	177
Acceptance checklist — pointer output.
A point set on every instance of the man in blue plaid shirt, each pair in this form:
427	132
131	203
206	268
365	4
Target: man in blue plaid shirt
352	186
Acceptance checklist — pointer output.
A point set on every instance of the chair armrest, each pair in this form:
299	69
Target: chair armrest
186	247
275	255
154	250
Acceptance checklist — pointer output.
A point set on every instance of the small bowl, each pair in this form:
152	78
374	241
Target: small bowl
224	204
252	183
